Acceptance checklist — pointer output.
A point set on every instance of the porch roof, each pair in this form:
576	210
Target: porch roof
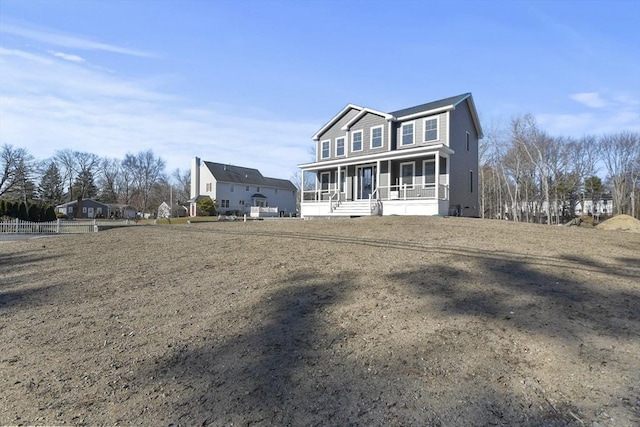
387	155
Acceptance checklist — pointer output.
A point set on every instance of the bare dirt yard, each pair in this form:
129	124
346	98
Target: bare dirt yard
371	321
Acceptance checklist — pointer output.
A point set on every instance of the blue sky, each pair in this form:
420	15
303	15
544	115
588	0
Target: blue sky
249	82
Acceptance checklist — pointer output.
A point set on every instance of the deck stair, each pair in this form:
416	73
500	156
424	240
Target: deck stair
353	208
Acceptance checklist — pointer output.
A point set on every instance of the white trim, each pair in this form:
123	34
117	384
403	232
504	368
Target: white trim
362	112
335	118
361	132
381	136
344	146
426	113
322	156
386	155
424	128
328	181
413	173
435	177
413	140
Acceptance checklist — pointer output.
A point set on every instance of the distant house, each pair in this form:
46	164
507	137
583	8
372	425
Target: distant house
122	211
237	189
165	211
421	160
83	208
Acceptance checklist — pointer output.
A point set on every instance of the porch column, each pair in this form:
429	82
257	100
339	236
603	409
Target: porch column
378	178
301	188
437	177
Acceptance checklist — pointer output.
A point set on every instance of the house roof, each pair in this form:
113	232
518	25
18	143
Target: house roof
246	176
442	103
75	202
439	105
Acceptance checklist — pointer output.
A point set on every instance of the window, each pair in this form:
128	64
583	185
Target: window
257	189
356	141
406	174
468	144
325	149
224	203
431	129
208	187
429	172
241	202
376	137
407	134
246	188
324	181
276	191
232	188
470	181
339	146
343	180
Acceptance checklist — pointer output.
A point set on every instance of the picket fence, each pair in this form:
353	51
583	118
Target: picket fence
59	226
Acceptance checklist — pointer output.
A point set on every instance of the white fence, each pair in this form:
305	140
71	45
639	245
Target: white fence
263	211
17	226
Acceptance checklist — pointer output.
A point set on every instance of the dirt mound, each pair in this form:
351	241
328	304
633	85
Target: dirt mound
621	222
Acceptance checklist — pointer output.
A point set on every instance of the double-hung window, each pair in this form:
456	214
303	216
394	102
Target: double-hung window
356	141
340	146
429	172
407	133
406	174
431	129
325	149
376	137
324	181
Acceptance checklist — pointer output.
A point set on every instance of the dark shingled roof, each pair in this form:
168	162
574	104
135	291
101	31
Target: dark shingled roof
246	176
430	106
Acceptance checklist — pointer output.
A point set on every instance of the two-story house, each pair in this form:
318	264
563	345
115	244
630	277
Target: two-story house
421	160
237	189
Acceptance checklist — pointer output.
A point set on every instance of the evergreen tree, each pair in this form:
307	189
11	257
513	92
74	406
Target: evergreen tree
85	186
22	211
51	186
33	212
50	213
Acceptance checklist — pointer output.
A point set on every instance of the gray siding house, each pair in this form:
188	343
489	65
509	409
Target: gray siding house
421	160
240	190
83	208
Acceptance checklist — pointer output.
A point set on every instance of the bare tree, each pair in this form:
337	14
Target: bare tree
16	168
107	178
620	153
182	185
67	165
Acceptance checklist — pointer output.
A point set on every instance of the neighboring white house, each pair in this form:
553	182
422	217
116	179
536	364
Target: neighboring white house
421	160
236	189
164	211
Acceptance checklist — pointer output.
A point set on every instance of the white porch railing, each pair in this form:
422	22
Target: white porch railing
391	192
263	211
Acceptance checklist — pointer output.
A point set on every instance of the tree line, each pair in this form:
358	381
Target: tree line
137	180
529	175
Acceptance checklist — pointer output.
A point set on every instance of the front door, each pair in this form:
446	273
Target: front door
366	181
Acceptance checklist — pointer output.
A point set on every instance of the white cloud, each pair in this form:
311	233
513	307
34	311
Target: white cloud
590	99
51	105
67	56
57	38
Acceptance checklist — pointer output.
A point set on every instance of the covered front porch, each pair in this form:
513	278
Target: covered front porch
411	182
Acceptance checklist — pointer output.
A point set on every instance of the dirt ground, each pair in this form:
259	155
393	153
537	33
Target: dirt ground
360	322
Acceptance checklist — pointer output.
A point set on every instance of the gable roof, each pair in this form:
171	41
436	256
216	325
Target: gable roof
362	113
406	113
335	118
246	176
435	105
